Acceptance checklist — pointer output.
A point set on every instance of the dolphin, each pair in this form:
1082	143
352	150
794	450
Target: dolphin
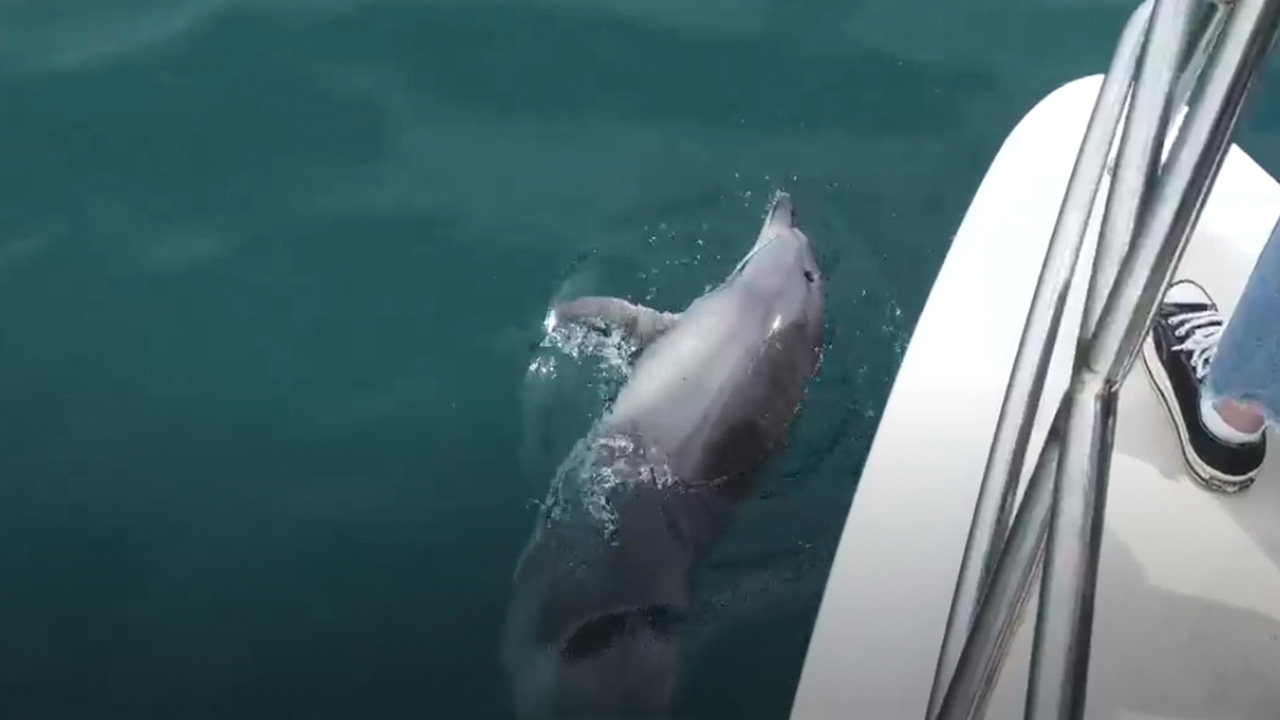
592	627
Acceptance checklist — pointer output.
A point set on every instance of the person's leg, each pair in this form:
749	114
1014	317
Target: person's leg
1245	375
1220	385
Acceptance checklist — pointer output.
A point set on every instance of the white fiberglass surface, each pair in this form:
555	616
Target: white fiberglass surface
1188	604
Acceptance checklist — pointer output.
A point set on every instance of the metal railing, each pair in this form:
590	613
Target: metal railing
1197	55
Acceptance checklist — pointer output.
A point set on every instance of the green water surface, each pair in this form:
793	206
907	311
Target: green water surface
272	272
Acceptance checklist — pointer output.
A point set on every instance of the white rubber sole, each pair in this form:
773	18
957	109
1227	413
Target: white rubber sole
1201	473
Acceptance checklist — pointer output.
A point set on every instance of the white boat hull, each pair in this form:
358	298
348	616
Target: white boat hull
1188	604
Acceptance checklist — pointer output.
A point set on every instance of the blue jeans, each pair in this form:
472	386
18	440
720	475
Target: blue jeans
1247	363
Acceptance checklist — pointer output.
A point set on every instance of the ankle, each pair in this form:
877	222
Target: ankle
1242	415
1232	421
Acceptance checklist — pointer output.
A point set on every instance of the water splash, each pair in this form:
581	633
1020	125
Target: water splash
570	379
611	351
600	464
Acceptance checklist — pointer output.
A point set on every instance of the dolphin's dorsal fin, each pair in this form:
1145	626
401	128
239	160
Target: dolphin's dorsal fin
641	324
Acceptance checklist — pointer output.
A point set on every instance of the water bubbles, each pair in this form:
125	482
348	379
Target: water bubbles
599	467
542	367
612	352
573	372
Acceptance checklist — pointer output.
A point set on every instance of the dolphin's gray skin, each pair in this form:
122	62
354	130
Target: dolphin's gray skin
591	628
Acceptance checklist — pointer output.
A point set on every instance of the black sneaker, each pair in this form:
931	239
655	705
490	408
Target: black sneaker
1177	354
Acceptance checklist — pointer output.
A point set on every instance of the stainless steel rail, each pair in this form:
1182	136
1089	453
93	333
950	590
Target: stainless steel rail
1163	59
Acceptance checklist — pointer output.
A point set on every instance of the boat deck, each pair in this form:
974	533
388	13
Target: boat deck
1188	605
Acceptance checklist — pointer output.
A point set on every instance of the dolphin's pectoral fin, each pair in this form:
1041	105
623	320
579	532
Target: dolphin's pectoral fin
641	324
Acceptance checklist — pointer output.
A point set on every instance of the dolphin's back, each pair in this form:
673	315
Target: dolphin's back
716	393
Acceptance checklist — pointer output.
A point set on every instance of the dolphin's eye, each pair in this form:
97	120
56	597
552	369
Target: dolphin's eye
808	275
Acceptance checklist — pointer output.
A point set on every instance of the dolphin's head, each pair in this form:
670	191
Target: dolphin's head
781	269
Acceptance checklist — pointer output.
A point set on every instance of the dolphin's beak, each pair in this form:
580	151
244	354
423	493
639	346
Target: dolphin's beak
781	214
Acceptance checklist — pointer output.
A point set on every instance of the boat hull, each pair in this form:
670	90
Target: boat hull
1188	605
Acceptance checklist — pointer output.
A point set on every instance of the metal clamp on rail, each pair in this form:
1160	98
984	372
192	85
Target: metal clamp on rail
1203	54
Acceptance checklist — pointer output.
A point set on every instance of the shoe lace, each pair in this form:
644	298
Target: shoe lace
1202	329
